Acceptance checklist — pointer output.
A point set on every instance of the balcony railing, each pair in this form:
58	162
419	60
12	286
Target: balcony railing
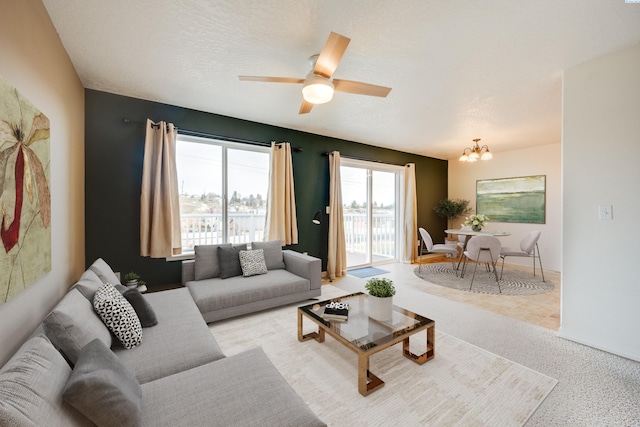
383	234
207	229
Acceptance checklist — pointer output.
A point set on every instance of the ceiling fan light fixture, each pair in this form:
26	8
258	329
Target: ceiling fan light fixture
317	89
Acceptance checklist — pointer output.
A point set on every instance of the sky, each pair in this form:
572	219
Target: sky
199	172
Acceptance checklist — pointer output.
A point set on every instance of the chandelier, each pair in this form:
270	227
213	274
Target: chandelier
475	153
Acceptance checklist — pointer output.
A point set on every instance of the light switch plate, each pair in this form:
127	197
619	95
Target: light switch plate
605	212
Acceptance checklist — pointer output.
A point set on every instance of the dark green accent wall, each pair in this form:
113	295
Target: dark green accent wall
113	175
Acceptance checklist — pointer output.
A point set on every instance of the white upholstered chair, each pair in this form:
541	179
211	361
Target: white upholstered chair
427	243
528	249
482	249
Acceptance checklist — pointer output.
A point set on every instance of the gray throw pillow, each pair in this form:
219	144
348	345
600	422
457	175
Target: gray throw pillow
73	324
206	261
252	263
272	253
104	272
119	316
141	306
31	385
102	388
88	284
229	259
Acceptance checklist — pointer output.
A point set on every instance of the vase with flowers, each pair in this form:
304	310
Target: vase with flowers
477	222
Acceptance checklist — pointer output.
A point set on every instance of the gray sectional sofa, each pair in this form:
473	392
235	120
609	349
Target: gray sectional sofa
220	290
74	372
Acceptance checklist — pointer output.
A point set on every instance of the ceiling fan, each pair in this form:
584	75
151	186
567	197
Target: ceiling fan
318	86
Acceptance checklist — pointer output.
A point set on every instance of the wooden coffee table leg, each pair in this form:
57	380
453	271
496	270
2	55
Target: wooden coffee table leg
367	381
430	350
318	336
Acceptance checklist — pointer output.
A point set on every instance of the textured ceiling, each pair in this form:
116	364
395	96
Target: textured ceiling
459	70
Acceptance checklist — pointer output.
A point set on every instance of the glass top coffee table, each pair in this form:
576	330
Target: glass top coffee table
366	336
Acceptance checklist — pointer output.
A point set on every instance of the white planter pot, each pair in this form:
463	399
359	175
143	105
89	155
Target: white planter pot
381	308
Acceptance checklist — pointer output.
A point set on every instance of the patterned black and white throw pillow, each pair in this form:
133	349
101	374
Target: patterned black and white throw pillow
252	262
118	315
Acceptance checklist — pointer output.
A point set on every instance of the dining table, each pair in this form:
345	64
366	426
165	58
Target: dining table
468	233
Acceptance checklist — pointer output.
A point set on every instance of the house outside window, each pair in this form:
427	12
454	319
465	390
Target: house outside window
223	191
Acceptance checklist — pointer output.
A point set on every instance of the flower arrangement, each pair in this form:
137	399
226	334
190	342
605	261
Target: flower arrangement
476	221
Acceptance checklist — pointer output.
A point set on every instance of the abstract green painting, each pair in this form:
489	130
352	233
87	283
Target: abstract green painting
25	199
519	199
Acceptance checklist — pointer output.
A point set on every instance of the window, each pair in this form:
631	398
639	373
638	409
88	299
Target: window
223	191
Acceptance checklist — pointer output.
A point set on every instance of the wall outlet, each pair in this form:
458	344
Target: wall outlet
605	212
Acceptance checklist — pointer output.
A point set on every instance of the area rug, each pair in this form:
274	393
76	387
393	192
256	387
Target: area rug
463	384
366	272
514	282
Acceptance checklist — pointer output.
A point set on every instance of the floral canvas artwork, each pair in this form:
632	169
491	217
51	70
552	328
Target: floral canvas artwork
25	198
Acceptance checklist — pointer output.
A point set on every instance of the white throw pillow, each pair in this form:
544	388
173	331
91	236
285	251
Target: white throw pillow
252	262
118	314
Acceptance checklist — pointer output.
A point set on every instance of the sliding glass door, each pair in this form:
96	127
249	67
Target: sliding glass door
370	200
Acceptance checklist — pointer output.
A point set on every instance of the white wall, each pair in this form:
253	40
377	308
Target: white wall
601	149
33	60
541	160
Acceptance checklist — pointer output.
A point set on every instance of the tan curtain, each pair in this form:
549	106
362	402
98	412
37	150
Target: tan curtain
337	253
409	214
159	205
281	222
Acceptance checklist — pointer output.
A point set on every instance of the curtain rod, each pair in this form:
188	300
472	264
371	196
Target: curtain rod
209	135
327	153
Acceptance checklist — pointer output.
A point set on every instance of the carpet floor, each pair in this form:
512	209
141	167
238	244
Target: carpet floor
595	388
462	385
513	282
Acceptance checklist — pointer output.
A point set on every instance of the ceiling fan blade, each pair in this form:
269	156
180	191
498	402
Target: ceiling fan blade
271	79
360	88
331	54
305	107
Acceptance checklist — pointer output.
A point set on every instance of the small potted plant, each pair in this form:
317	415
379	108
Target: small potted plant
381	292
133	281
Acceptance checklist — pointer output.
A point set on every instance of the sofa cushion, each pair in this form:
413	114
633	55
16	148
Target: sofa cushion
73	324
141	306
88	284
181	340
104	272
272	253
229	259
118	314
102	389
216	294
252	263
206	261
242	390
31	385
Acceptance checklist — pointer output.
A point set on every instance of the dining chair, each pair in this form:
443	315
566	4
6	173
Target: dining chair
427	243
462	240
528	249
482	249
